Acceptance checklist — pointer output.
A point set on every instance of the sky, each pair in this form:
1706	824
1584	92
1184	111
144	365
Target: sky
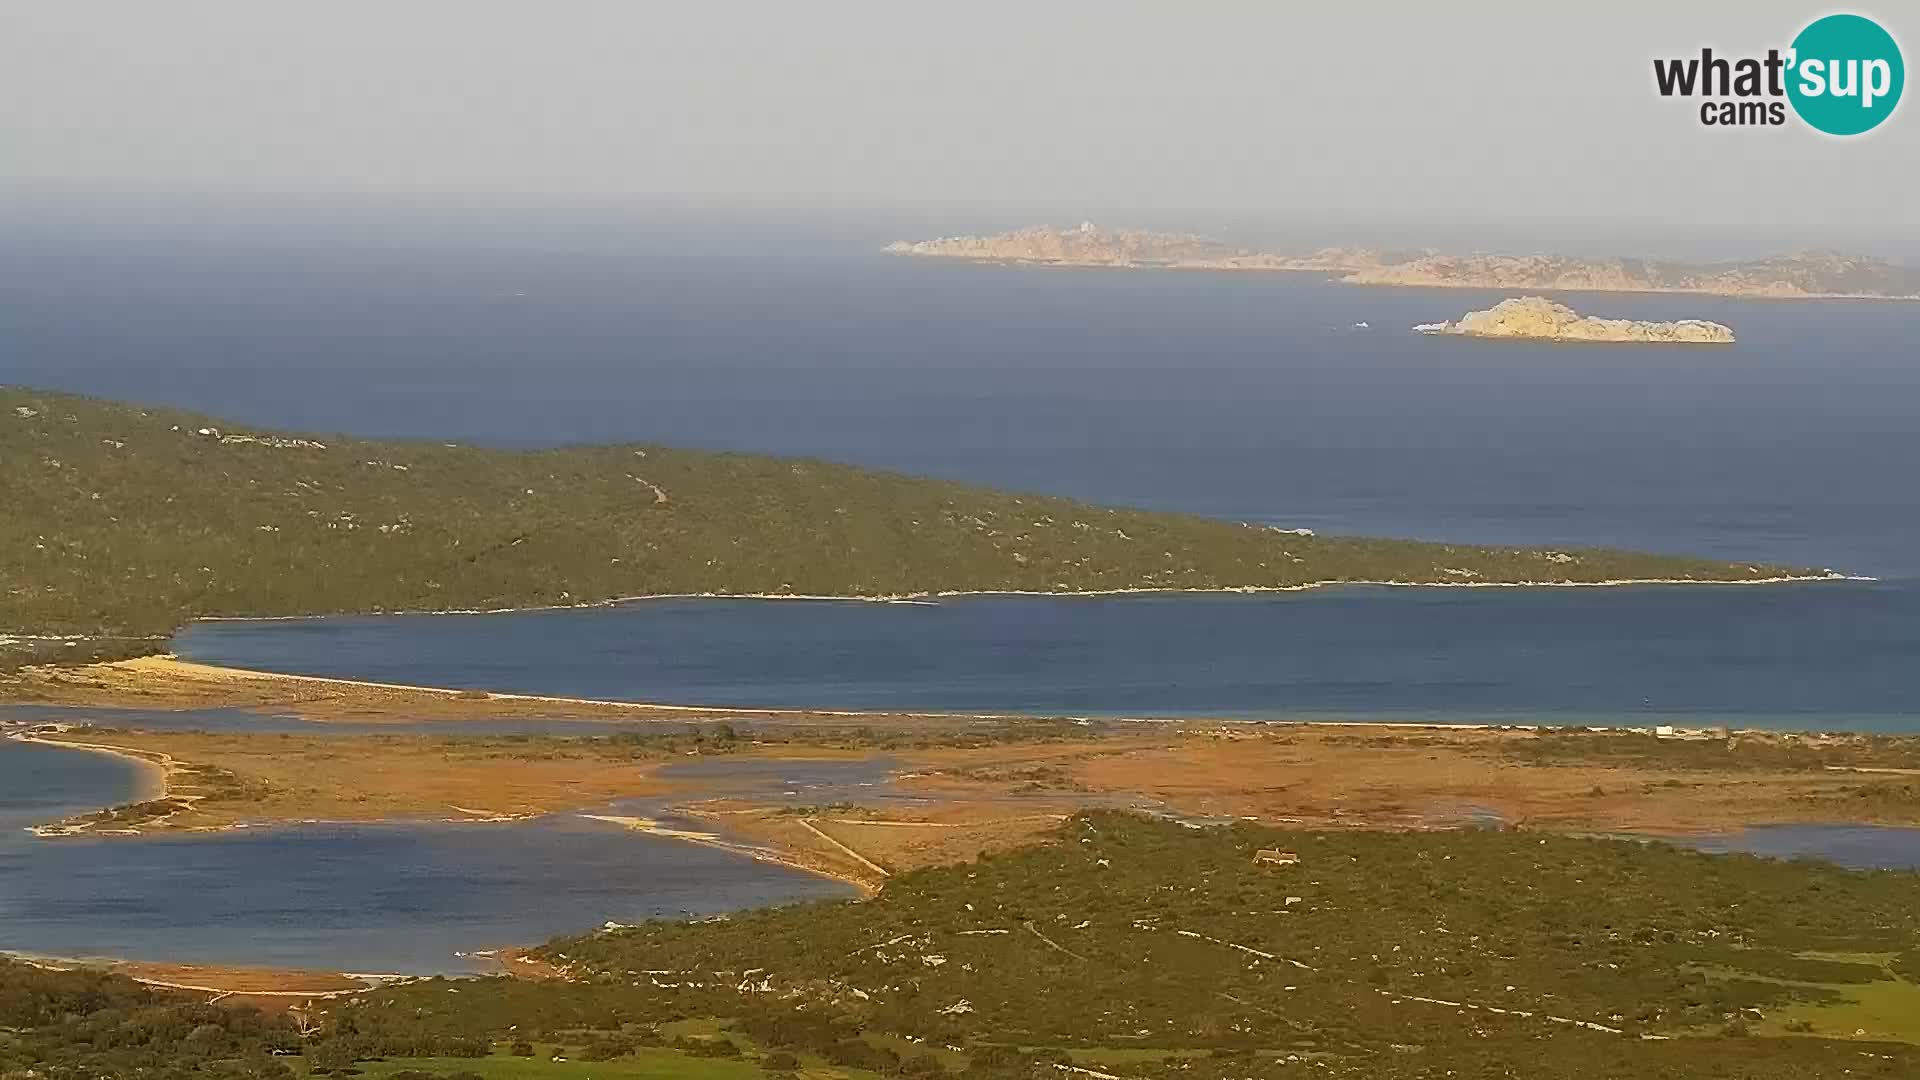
1418	111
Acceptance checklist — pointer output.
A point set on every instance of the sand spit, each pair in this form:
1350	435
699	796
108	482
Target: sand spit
933	596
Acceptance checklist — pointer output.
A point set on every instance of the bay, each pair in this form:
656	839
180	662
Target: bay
1814	656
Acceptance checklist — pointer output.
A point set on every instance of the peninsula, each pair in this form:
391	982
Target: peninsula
1540	319
1003	778
1330	915
129	521
1806	275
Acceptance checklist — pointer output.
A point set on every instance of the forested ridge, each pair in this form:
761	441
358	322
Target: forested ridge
116	518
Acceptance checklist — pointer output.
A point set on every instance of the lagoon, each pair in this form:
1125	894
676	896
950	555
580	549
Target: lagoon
390	898
1822	656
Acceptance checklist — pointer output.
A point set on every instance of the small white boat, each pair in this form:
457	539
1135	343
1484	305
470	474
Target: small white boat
1359	326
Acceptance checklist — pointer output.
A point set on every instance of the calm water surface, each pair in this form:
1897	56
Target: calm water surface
1819	656
1246	396
372	898
1861	847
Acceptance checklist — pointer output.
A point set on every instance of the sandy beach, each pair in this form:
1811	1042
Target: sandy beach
267	988
167	682
939	594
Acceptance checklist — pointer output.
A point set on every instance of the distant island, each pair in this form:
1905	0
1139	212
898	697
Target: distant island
1808	275
123	519
1538	318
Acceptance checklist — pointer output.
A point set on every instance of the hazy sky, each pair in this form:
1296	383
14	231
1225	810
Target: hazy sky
1543	110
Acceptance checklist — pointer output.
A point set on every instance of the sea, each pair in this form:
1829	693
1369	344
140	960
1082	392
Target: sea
1280	399
1251	397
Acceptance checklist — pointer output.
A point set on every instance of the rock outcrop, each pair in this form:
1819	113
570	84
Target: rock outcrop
1538	318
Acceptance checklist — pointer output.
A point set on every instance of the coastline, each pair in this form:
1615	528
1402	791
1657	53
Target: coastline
167	682
1337	276
283	987
161	768
159	791
1724	295
279	986
171	664
929	596
1549	339
158	769
163	680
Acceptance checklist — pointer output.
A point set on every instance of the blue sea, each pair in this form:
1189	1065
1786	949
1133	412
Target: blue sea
1254	397
1248	397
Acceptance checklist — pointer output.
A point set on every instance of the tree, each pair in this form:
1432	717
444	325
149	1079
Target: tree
330	1056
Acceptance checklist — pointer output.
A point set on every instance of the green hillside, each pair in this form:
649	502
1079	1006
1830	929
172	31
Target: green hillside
124	519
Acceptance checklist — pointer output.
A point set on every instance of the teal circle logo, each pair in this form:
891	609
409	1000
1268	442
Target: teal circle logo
1846	74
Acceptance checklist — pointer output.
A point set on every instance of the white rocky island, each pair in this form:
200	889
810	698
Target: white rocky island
1537	318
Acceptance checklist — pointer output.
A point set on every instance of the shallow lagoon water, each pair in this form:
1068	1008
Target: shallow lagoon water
370	898
1808	656
1861	847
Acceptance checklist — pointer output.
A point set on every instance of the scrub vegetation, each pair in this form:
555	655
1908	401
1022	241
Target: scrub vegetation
1133	948
129	520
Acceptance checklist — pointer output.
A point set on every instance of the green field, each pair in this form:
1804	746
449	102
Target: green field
1877	1001
128	520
